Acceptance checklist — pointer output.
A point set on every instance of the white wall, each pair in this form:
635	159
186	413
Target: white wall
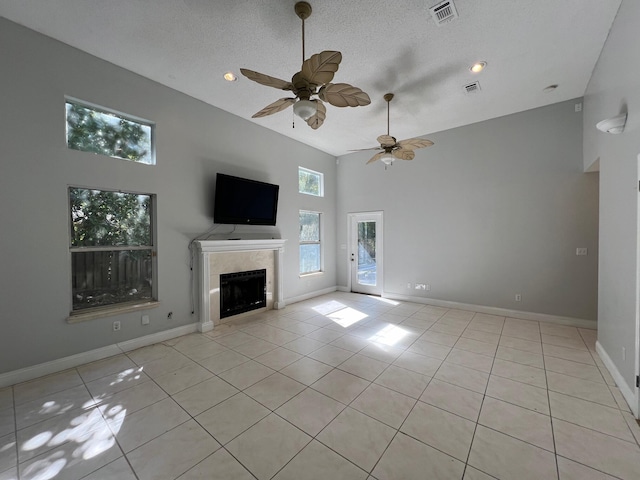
613	89
492	209
194	141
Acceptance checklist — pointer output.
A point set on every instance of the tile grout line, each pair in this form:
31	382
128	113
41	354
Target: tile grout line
15	430
194	419
484	395
553	432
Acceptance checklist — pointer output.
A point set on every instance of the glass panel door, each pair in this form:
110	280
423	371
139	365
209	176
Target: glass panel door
366	252
366	263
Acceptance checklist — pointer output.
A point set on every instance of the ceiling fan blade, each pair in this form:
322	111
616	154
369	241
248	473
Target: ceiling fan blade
275	107
316	121
319	68
375	158
263	79
413	143
344	95
386	141
365	149
403	154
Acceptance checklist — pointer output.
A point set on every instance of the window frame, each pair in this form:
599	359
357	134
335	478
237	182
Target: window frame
320	182
89	313
319	242
118	114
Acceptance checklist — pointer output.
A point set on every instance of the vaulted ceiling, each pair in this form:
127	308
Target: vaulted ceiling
387	46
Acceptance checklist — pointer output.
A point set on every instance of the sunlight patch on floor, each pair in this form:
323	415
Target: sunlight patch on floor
328	307
347	316
384	300
389	335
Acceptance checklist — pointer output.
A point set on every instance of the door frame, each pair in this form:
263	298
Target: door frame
637	339
354	217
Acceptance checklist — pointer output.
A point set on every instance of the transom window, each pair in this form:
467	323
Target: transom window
310	182
310	242
97	130
112	248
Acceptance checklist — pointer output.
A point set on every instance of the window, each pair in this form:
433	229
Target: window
310	182
95	130
310	244
112	251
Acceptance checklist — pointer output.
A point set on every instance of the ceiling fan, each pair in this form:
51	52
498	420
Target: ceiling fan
314	78
403	150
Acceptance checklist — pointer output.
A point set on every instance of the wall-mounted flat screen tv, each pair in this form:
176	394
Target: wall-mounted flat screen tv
241	201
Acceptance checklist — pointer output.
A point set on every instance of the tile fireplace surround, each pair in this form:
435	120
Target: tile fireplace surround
216	257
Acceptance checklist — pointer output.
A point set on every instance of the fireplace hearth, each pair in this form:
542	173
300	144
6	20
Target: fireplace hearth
242	292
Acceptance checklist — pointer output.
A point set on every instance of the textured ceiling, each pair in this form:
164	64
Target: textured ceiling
387	46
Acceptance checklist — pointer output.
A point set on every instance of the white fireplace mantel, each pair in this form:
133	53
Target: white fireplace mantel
206	247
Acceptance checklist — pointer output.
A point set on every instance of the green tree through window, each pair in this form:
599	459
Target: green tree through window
95	131
310	247
102	217
310	182
111	247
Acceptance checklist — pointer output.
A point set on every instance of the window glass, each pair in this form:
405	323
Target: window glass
97	131
111	245
310	245
310	182
102	217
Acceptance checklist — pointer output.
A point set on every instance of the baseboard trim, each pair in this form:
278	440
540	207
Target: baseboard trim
625	389
309	295
54	366
158	337
503	312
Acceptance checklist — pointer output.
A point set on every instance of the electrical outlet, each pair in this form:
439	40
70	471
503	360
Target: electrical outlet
578	107
581	251
518	297
408	285
145	319
116	326
169	315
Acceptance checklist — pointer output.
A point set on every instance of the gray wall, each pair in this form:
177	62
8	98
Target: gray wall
492	209
194	141
613	88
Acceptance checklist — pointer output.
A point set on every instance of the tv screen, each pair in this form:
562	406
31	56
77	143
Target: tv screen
244	202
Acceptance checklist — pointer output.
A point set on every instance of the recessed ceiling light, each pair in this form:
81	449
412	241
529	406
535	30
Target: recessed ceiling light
230	77
478	67
550	88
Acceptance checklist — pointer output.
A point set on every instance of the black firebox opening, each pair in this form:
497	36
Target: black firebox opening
242	292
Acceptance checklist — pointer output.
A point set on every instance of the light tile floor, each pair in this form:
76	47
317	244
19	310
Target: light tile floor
342	386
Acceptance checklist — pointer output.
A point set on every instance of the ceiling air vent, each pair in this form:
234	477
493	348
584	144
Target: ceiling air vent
444	12
472	88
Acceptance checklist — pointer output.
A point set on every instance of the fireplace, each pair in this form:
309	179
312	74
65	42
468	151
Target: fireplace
219	257
242	292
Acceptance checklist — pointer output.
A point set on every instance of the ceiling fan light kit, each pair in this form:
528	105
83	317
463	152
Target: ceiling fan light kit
387	159
305	109
313	79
